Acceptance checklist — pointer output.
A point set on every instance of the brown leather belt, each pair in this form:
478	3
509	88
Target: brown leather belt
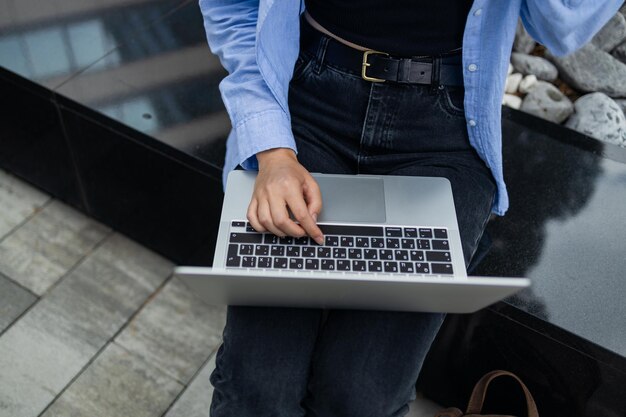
378	66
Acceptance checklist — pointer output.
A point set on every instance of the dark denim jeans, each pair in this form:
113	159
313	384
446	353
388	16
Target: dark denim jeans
344	363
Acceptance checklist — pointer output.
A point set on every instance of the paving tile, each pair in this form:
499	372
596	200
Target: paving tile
41	251
116	384
49	345
14	300
175	331
18	201
196	400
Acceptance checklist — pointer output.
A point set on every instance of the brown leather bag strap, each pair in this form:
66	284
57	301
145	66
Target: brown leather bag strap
477	399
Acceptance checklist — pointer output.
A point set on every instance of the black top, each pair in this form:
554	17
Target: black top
401	27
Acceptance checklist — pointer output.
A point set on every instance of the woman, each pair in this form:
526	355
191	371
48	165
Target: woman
297	83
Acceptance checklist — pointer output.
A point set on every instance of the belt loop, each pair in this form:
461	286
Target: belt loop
320	54
435	75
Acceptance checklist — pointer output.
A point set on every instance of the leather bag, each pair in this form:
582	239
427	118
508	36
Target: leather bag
475	405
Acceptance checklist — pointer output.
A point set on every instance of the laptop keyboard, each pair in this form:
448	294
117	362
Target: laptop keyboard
348	248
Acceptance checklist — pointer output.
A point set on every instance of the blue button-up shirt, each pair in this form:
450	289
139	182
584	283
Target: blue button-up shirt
257	42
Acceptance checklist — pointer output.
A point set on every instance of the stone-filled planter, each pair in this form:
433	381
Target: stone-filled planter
584	91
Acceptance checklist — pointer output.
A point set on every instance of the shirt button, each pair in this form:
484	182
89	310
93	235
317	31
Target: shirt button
472	122
472	67
478	12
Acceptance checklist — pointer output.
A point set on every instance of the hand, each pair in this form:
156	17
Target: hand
283	183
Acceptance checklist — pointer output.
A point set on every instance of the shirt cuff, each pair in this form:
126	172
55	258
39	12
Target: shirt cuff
262	131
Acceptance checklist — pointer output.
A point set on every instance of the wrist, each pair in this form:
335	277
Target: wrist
275	154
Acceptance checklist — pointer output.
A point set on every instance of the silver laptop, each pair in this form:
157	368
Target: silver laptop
391	243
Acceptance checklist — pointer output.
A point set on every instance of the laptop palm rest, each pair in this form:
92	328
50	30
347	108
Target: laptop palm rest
360	200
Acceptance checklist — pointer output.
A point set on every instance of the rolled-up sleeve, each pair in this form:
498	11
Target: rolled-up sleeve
258	120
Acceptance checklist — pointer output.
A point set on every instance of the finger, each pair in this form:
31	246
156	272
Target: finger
281	219
313	197
300	211
253	217
265	218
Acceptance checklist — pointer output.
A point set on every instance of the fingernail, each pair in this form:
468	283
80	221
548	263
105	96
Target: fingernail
320	240
314	215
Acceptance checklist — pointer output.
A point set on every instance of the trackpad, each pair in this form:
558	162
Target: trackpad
353	199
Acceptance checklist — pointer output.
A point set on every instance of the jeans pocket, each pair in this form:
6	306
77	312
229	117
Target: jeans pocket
301	68
451	99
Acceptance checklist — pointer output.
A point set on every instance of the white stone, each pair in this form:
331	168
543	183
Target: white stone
512	82
598	116
528	64
612	34
527	83
510	70
590	69
523	43
546	101
512	101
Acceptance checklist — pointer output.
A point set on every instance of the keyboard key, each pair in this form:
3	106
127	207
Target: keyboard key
233	261
441	268
278	251
308	252
238	224
313	264
233	250
393	231
438	256
441	234
355	253
370	253
362	242
328	264
422	268
293	251
385	254
287	240
407	267
280	263
423	244
410	232
264	262
262	250
332	229
426	233
391	266
408	243
245	249
401	255
347	241
296	263
331	241
249	228
375	266
323	252
248	262
270	239
393	243
339	253
246	237
343	265
359	266
440	244
417	255
377	242
304	240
